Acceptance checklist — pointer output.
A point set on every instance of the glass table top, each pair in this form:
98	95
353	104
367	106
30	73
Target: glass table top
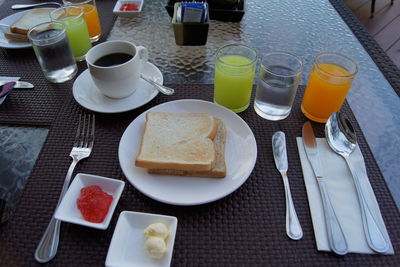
20	147
303	28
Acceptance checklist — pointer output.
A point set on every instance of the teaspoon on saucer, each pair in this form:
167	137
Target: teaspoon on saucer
342	139
163	89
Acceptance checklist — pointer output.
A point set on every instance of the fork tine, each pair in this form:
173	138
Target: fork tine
87	131
91	137
78	131
82	133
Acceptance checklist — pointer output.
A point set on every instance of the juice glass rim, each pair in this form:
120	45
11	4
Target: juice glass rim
77	2
351	74
241	65
300	61
64	8
34	29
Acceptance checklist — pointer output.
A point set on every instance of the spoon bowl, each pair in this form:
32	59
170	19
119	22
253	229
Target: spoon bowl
341	137
340	134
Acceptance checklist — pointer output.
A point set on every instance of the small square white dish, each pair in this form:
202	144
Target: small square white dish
68	210
128	13
127	244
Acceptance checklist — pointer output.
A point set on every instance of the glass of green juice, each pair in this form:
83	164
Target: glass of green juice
235	66
77	31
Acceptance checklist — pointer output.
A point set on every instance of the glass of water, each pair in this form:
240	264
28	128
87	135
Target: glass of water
280	74
50	43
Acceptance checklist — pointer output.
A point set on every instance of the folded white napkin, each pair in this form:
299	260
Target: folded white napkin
10	79
343	195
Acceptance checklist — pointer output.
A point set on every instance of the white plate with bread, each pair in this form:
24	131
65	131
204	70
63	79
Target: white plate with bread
187	152
14	28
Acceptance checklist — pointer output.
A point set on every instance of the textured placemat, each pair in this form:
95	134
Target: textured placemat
246	228
385	64
40	105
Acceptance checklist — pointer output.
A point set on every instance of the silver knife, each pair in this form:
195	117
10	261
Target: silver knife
19	84
336	238
293	228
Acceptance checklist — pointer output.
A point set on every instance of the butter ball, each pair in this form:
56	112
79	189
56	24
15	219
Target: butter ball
156	230
155	247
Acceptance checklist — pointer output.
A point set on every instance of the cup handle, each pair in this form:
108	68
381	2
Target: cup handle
143	54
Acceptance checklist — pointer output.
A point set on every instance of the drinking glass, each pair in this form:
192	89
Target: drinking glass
76	28
235	67
279	77
91	16
328	85
50	43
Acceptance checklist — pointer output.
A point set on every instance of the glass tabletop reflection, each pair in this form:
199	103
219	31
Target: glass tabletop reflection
303	28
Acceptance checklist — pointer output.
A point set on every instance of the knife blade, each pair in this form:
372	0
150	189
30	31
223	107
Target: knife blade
336	238
19	84
293	227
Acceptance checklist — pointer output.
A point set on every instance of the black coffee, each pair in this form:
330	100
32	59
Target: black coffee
112	59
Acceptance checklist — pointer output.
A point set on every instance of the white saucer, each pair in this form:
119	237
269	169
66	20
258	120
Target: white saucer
87	95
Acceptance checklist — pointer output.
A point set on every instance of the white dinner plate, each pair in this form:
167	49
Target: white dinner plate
87	95
4	42
240	157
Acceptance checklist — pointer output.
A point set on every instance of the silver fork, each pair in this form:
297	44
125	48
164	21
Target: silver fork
83	144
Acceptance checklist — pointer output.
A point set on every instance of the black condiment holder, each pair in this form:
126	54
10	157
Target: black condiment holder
189	33
217	12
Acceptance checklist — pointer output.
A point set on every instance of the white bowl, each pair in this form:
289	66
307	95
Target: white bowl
127	244
68	210
128	14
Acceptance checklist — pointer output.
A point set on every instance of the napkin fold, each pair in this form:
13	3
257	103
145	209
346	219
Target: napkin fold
343	195
8	79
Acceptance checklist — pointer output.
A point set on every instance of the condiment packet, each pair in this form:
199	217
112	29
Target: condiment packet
192	12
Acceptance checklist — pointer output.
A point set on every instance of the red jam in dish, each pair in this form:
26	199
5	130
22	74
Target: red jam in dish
129	7
94	203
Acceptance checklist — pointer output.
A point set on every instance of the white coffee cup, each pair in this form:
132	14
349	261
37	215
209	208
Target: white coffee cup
117	81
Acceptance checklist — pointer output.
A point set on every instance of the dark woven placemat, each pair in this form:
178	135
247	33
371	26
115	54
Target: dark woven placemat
385	64
246	228
40	105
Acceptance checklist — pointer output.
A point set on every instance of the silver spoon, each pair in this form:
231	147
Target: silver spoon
22	6
342	139
163	89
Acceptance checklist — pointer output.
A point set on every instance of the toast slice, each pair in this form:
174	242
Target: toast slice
219	171
16	37
178	141
30	19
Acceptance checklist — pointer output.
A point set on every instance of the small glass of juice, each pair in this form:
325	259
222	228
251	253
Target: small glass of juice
328	85
76	28
235	66
91	16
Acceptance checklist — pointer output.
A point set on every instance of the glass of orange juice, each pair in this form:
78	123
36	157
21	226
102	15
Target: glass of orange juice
91	16
235	66
328	85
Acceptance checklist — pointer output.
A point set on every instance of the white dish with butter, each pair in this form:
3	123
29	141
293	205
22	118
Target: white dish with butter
240	157
127	247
